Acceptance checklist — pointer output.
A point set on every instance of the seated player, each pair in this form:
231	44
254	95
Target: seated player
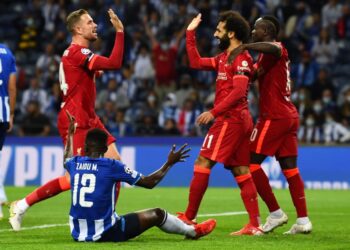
93	181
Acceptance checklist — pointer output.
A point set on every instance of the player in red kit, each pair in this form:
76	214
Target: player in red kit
78	69
227	141
275	133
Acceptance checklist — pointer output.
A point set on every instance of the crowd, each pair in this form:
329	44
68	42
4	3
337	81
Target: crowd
155	92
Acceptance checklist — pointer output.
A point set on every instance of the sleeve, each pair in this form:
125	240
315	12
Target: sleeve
125	174
13	68
86	58
241	70
68	163
114	61
196	61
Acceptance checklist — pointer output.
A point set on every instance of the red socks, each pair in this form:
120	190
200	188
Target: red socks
250	197
296	189
48	190
198	187
263	187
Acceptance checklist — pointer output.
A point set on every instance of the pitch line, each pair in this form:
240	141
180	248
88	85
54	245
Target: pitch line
66	224
37	227
222	214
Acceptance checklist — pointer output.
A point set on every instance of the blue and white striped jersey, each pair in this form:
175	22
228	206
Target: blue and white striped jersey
93	194
7	67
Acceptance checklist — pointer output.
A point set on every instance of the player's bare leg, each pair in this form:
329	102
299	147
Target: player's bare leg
198	188
48	190
296	189
276	217
171	224
250	199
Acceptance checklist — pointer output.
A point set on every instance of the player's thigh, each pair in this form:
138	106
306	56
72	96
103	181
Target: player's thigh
289	145
4	126
110	138
221	140
267	136
127	227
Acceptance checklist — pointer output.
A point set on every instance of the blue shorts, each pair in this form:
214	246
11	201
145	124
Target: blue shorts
127	227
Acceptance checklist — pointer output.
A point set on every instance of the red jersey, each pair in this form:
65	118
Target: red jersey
78	83
274	86
164	62
226	106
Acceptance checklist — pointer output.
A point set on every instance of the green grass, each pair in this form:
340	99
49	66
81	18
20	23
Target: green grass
329	212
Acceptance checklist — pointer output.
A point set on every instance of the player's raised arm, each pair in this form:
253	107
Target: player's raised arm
196	61
114	61
117	24
153	179
68	151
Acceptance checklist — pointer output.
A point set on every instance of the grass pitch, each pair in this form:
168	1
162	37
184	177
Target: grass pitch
329	212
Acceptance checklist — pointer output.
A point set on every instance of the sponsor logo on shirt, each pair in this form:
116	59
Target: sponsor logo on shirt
244	66
85	51
221	76
127	170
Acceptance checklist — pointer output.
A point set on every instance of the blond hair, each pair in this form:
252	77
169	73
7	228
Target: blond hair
73	18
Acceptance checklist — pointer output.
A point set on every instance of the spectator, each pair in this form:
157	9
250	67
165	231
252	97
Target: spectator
331	12
120	127
34	123
186	118
169	110
34	93
325	49
170	127
320	84
47	66
309	131
144	69
335	131
306	71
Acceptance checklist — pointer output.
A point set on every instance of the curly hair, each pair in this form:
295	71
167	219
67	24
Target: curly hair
236	23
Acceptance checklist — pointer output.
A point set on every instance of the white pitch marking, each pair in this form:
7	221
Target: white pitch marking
223	214
38	227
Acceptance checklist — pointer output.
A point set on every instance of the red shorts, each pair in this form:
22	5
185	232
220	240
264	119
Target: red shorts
80	132
275	137
228	143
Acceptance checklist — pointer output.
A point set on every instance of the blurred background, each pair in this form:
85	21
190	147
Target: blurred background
155	92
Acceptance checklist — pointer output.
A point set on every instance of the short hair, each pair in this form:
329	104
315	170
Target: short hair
273	25
234	22
73	18
96	140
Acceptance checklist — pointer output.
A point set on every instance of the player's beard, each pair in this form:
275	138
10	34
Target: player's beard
224	42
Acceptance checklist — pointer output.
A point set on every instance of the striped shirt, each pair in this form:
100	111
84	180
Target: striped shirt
93	194
7	67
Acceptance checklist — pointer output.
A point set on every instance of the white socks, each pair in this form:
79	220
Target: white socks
22	205
276	214
173	225
303	220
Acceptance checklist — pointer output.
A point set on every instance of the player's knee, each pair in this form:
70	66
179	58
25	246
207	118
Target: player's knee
204	162
159	213
288	162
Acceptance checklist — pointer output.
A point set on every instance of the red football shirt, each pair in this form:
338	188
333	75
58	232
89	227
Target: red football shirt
236	108
274	86
78	83
164	62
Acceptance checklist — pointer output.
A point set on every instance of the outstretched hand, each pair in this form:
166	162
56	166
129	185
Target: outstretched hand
117	24
234	53
195	22
178	156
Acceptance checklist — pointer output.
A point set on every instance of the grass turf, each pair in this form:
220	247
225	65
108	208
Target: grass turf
329	212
